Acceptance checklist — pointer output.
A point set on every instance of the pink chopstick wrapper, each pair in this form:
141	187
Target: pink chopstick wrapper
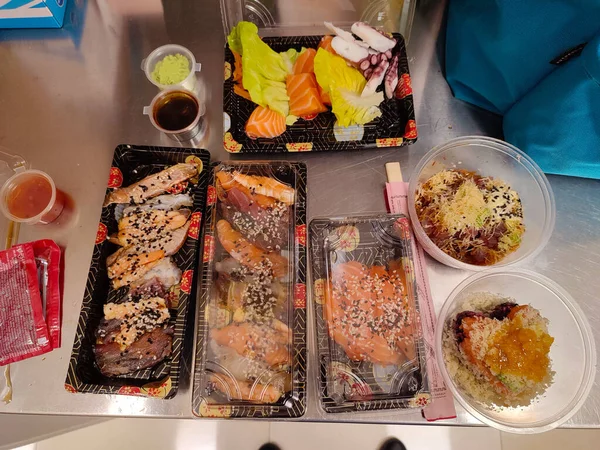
442	403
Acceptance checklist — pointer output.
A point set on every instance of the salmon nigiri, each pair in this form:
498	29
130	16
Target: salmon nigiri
265	123
305	62
304	95
255	342
248	254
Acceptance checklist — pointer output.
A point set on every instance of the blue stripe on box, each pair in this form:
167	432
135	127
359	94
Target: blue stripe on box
38	22
15	4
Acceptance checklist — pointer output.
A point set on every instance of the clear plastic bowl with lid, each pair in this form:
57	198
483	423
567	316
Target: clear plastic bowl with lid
573	353
159	54
500	160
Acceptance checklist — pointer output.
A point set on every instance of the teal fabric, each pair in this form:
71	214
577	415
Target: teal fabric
558	122
498	50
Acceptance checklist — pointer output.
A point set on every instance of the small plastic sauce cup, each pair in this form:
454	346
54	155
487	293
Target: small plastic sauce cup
148	65
173	106
16	190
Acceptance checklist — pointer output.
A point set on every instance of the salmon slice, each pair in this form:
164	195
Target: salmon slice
325	98
152	185
305	62
130	262
227	182
154	218
246	390
152	228
358	342
248	254
170	243
304	95
134	274
255	342
266	186
325	44
369	314
264	123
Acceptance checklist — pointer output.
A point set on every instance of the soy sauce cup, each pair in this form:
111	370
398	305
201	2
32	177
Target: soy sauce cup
31	197
178	113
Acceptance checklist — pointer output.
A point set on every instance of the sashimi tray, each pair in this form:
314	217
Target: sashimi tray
251	336
139	295
371	351
395	128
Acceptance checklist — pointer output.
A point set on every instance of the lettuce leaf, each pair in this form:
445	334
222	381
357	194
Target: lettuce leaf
290	57
234	41
263	69
344	85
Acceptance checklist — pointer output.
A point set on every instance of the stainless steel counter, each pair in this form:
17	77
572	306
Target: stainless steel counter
68	97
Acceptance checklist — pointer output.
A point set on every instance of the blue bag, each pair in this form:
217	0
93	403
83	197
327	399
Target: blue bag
498	50
558	122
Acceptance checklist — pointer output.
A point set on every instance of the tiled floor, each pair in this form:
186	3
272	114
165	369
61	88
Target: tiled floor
159	434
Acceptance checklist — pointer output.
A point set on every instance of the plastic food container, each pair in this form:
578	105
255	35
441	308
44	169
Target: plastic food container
158	54
48	214
165	106
370	346
295	19
130	164
498	159
573	353
251	342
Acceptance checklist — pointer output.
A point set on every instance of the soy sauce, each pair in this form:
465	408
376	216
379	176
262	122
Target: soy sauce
176	111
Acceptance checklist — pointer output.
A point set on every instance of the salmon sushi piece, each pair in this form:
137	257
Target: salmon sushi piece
305	62
248	254
227	183
255	342
131	261
368	314
246	390
265	123
325	98
325	44
357	340
266	186
304	95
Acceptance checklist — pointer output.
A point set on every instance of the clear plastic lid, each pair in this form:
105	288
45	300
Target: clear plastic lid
293	18
251	353
370	343
10	164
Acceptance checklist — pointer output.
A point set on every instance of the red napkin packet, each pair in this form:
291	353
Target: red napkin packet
29	300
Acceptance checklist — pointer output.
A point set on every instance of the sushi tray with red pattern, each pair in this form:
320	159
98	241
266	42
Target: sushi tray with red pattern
316	93
139	296
371	353
251	334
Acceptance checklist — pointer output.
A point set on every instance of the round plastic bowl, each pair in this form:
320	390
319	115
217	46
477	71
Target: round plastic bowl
498	159
148	64
573	352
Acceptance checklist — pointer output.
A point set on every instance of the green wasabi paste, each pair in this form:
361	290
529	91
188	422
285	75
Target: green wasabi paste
172	69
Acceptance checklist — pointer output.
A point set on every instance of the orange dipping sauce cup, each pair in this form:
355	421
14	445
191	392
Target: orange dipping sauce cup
31	197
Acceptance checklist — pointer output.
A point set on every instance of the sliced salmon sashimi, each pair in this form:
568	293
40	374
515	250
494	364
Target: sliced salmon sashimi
265	123
369	314
305	62
304	95
325	44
